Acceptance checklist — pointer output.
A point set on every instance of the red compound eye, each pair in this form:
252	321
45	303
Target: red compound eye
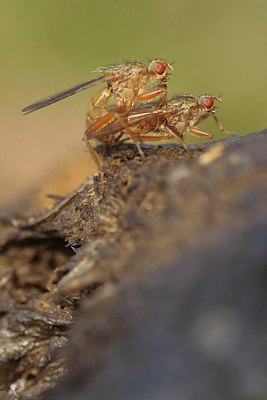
159	67
208	101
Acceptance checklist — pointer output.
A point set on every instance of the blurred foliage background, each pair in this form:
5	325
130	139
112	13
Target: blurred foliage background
219	47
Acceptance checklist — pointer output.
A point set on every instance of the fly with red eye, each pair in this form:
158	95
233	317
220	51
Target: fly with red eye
207	101
177	116
127	84
159	67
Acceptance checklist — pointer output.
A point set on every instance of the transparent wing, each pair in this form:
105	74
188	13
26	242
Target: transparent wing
131	120
62	95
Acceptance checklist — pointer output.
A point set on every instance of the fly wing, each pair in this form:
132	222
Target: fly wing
132	119
62	95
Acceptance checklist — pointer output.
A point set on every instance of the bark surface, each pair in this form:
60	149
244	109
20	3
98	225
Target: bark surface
166	274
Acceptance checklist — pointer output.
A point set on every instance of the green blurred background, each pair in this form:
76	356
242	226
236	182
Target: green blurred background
219	47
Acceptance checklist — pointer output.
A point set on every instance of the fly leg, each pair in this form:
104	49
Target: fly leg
107	119
222	128
154	92
150	138
130	133
97	118
98	162
98	104
197	131
177	134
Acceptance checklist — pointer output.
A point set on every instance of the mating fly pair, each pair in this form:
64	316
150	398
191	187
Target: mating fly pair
176	116
128	86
